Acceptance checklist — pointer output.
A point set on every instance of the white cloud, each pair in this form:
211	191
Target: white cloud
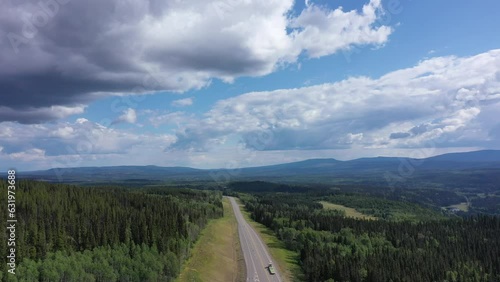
440	99
447	103
183	102
81	120
323	32
81	137
63	132
80	143
29	155
128	116
137	46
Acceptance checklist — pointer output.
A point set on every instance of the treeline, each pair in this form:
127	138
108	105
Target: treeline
68	233
425	196
345	249
270	187
384	208
486	204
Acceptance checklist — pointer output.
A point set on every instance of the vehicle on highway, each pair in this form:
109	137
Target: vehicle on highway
270	267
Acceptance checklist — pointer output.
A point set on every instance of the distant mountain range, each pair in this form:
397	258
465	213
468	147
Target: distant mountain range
374	170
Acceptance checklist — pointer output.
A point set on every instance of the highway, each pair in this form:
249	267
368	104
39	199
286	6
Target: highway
254	251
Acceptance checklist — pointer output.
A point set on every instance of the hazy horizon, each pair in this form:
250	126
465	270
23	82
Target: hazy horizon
421	154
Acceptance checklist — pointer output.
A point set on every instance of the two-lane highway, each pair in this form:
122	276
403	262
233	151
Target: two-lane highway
257	259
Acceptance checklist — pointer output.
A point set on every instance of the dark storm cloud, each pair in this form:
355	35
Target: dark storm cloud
57	53
47	89
37	115
62	52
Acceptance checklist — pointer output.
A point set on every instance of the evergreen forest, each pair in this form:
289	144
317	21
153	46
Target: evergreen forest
70	233
333	247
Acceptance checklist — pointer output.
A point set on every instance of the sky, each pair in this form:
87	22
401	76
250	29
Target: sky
238	83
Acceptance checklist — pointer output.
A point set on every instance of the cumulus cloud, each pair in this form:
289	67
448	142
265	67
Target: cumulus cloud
444	102
448	100
128	116
323	32
68	53
65	144
183	102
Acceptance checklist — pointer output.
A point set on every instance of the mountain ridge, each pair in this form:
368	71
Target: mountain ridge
324	167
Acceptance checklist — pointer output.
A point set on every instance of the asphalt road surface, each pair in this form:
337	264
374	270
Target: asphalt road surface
255	253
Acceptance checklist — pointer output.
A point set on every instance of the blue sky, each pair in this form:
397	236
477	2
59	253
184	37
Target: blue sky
230	84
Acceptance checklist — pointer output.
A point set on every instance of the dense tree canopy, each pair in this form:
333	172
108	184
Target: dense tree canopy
68	233
334	247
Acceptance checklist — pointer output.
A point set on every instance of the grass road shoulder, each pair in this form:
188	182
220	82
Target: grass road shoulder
217	254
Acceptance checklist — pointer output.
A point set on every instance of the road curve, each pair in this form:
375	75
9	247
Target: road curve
255	253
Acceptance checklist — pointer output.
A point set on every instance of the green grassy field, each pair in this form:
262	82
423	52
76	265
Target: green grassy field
217	255
349	212
287	260
462	206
